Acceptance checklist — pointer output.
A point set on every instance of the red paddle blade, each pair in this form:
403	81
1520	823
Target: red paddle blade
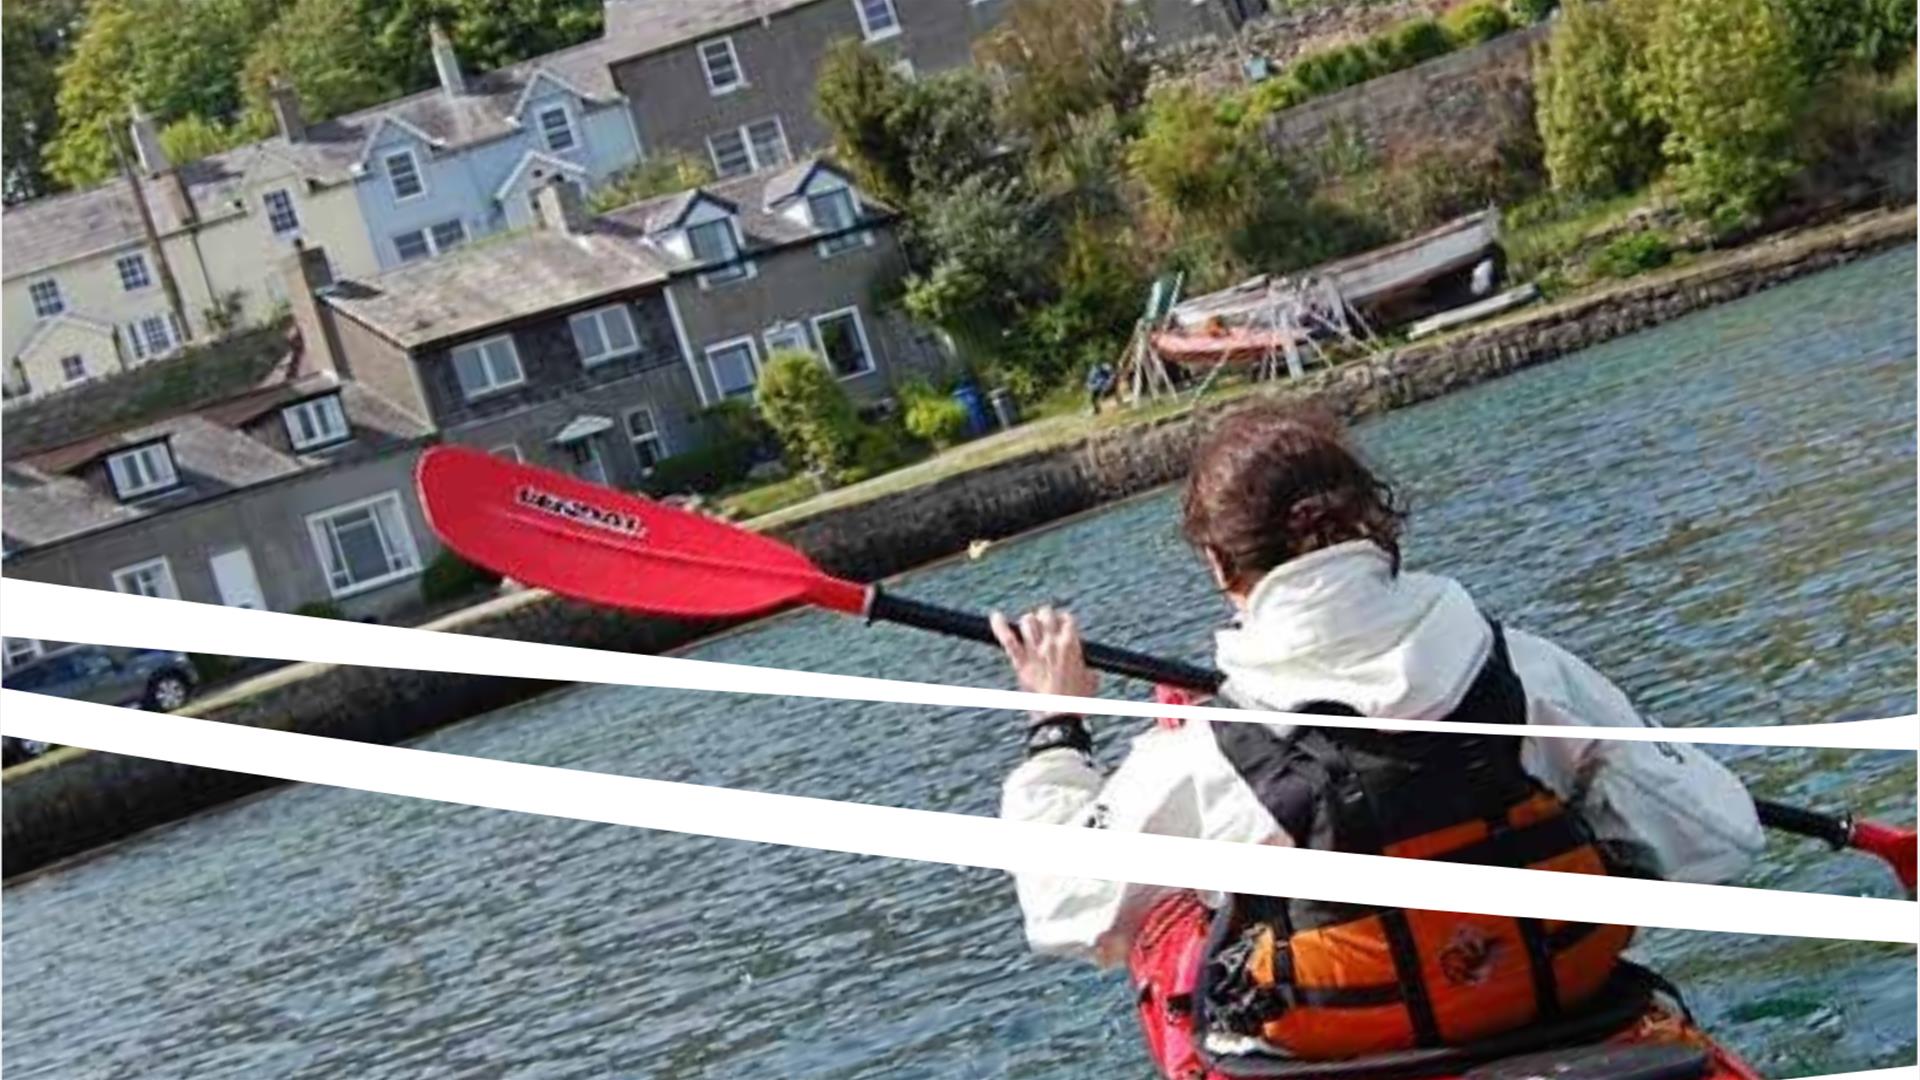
1896	846
592	543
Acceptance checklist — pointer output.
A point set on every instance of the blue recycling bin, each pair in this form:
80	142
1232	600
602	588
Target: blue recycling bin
979	419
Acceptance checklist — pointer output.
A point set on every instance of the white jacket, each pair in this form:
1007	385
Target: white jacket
1338	625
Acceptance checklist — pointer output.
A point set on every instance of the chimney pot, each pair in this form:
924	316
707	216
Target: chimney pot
445	61
146	144
286	111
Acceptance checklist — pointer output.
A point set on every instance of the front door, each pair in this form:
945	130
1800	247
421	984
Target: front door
587	462
233	575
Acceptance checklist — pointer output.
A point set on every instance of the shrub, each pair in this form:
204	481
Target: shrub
1419	40
1477	22
809	411
879	448
1634	253
720	462
1533	11
450	577
933	417
320	609
1599	139
660	175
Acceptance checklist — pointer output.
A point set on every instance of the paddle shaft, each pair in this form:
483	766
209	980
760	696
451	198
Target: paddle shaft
883	606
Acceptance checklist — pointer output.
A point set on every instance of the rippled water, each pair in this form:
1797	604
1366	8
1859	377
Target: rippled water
1719	513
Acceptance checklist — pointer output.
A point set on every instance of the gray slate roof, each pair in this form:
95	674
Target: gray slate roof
45	500
497	281
650	26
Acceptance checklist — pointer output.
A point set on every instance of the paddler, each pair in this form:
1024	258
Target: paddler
1304	541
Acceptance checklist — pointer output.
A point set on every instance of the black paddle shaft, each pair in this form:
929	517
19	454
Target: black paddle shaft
886	607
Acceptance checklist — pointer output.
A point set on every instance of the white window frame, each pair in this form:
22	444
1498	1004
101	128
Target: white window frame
655	435
428	238
275	213
735	268
440	247
713	151
480	347
753	361
859	332
733	57
599	316
783	331
70	378
324	414
125	575
393	182
48	301
891	30
157	474
137	262
19	650
850	236
780	128
139	335
566	125
402	546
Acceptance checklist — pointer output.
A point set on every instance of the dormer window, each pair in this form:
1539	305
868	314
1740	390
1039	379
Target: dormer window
316	423
556	127
142	470
716	244
403	175
833	213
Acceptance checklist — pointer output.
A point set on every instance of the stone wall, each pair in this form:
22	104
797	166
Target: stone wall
75	800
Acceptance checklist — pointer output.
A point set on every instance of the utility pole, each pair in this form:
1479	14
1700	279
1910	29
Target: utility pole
167	284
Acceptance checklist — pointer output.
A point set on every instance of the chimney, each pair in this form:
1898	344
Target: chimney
146	144
305	272
558	206
286	111
445	60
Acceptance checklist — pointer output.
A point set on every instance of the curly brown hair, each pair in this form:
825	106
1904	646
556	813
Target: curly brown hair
1274	482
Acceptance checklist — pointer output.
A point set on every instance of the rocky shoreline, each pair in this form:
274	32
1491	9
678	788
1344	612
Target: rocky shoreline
75	801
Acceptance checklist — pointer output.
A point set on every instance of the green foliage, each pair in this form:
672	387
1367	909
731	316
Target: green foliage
320	48
1192	163
878	448
991	246
320	609
191	138
856	96
661	174
34	38
720	463
1631	254
1412	42
809	411
931	416
1477	22
450	577
1723	77
1592	121
1528	12
1062	59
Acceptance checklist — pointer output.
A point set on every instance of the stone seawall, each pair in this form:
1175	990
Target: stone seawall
74	801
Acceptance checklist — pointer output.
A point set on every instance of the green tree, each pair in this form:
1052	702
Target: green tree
1195	165
991	246
486	33
1592	120
322	49
192	138
1065	58
662	174
34	37
856	96
809	411
1723	78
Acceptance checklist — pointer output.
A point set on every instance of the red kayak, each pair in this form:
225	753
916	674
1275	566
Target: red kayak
1627	1033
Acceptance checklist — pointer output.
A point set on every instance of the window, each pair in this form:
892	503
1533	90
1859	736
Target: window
788	337
733	366
46	297
768	141
722	65
403	175
280	216
556	127
486	367
364	545
604	334
153	336
877	18
648	445
142	470
730	154
19	650
151	578
833	212
844	342
319	422
73	369
133	271
434	240
714	244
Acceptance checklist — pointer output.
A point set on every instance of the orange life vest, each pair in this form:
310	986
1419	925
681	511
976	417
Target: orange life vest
1326	980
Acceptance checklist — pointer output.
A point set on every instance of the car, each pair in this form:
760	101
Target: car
155	679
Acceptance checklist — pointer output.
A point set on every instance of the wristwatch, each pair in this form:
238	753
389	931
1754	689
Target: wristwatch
1063	731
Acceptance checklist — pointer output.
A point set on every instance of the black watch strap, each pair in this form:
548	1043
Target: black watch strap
1065	732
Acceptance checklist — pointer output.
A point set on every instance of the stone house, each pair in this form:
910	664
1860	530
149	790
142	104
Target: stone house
597	344
732	81
294	492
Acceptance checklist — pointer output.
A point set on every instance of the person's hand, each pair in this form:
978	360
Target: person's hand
1046	653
